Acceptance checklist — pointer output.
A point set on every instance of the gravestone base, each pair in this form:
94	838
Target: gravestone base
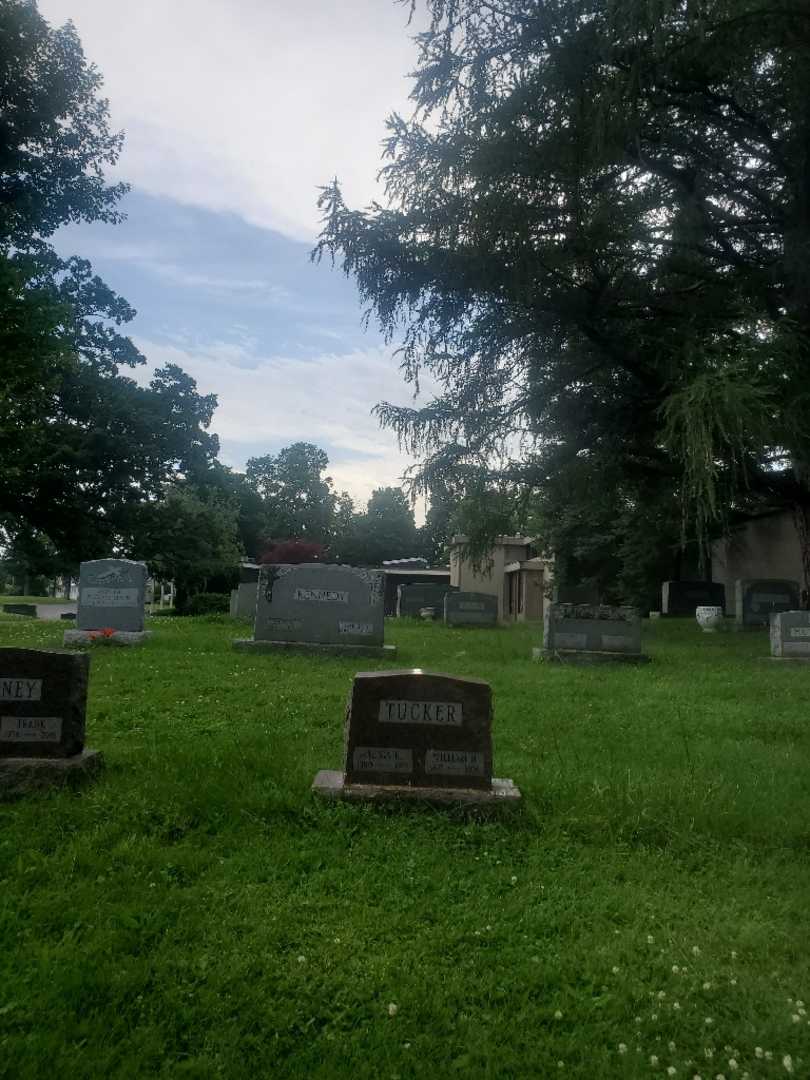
251	645
330	784
580	656
787	659
21	775
118	637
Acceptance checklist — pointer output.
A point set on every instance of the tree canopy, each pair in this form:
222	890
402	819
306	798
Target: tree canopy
597	240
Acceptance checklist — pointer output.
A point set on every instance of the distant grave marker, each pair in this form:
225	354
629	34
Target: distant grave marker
682	597
592	633
757	599
112	594
418	735
470	609
321	607
43	699
790	635
413	597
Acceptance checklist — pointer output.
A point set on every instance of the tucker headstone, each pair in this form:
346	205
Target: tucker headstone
413	597
470	609
756	599
790	635
591	633
112	593
682	597
418	735
320	607
43	698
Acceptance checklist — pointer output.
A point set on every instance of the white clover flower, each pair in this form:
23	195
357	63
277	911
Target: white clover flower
799	1004
733	955
653	1060
695	951
719	1077
787	1061
671	1047
697	1076
650	939
302	959
671	1070
708	1021
733	982
560	1064
622	1048
406	1046
676	1005
654	1016
707	986
392	1009
615	970
637	1019
769	1055
558	1015
732	1064
758	1051
661	995
709	1053
795	1018
675	969
513	879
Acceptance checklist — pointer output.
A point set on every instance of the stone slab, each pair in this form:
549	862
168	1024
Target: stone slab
682	597
112	594
756	599
320	603
29	610
251	645
592	628
23	775
330	784
470	609
43	700
90	637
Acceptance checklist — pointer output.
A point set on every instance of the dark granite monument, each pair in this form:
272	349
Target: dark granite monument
418	735
320	607
682	597
589	633
470	609
757	599
43	698
112	594
790	635
412	598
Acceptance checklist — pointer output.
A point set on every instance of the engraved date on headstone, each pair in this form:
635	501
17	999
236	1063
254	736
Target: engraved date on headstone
382	759
359	628
454	763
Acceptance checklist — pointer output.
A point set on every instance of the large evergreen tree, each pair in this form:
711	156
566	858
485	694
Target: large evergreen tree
598	240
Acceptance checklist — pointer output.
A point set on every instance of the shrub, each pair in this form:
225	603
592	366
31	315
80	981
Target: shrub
207	604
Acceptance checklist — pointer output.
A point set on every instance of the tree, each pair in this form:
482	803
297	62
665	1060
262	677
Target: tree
81	444
299	501
594	242
385	531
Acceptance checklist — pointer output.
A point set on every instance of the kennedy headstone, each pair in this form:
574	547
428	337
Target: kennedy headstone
43	698
592	632
417	734
757	599
413	597
790	635
470	609
682	597
319	606
112	593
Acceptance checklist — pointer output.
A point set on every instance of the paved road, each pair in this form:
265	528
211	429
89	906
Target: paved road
54	611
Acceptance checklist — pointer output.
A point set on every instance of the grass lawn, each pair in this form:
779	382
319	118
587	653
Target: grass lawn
197	914
33	600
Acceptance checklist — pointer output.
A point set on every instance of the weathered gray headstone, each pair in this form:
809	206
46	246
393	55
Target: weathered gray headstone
757	599
592	632
112	594
790	635
319	606
246	599
421	735
470	609
43	699
413	597
682	597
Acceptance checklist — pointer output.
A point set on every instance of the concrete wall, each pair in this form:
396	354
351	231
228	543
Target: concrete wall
766	547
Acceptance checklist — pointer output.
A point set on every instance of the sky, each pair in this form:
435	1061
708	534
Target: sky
235	111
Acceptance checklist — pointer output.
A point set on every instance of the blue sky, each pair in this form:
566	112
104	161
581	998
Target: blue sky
235	111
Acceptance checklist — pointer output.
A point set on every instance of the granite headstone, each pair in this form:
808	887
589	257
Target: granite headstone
413	597
591	632
112	593
419	734
790	635
682	597
757	599
470	609
320	606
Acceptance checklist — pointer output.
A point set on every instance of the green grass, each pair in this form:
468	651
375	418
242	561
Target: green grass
34	600
196	913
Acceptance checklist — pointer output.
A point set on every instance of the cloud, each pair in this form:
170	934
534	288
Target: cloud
249	105
266	402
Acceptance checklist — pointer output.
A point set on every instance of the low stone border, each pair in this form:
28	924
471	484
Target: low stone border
329	784
251	645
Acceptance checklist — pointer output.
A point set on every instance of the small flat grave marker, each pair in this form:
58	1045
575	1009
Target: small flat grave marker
43	699
590	633
319	607
470	609
418	735
112	594
757	599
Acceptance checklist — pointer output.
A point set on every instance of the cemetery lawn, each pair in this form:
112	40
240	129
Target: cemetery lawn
196	913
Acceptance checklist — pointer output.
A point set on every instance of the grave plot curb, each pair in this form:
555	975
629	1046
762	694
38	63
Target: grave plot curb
250	645
330	784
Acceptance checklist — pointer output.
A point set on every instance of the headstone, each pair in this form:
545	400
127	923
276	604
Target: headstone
43	699
233	606
470	609
246	599
757	599
682	597
592	632
112	594
321	607
30	610
413	597
790	635
416	734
